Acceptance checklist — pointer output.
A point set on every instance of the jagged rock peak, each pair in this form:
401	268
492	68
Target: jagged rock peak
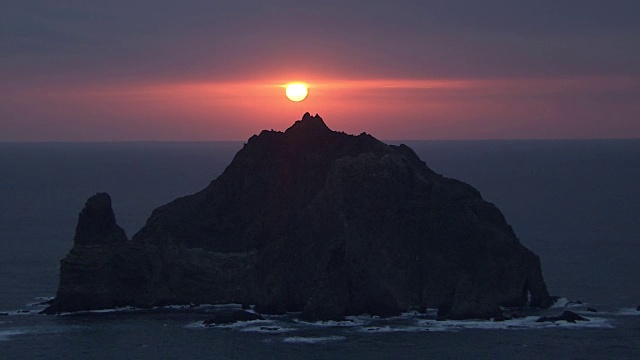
309	125
97	223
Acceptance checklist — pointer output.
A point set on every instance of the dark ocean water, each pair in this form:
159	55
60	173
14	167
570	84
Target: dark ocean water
574	203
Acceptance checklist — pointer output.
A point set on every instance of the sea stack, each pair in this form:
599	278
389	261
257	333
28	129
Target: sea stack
315	221
97	223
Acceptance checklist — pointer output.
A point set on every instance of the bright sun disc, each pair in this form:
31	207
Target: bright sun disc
297	92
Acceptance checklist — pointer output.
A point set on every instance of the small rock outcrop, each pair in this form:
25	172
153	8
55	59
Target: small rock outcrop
97	223
568	316
230	317
314	221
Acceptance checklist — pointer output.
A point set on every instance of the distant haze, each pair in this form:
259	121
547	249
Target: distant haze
213	70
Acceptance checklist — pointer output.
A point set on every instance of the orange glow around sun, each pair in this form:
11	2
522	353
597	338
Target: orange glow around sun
296	91
433	108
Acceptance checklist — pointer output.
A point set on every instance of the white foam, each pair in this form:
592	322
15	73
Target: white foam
422	325
104	311
8	333
20	312
513	324
560	303
240	324
267	329
5	335
40	302
388	328
351	321
563	302
195	325
312	340
627	312
265	326
230	306
165	307
175	307
412	314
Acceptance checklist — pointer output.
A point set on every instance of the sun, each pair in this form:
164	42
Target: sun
297	91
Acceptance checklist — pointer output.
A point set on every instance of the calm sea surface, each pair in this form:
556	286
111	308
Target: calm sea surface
574	203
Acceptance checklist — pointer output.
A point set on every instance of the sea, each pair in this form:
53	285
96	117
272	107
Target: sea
575	203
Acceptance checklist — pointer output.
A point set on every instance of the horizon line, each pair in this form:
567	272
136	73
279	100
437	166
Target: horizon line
244	141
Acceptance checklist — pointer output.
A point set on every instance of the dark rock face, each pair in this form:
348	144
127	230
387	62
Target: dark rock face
568	316
97	223
231	317
316	221
469	302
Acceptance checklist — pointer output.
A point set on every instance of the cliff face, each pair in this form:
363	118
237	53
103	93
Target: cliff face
316	221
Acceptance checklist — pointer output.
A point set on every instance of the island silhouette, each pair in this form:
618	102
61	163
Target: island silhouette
314	221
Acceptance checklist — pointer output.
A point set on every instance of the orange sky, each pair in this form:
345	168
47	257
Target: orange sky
387	108
139	70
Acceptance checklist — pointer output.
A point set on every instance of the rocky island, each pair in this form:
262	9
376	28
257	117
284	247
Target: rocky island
314	221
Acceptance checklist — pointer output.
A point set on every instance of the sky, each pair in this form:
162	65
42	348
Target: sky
142	70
